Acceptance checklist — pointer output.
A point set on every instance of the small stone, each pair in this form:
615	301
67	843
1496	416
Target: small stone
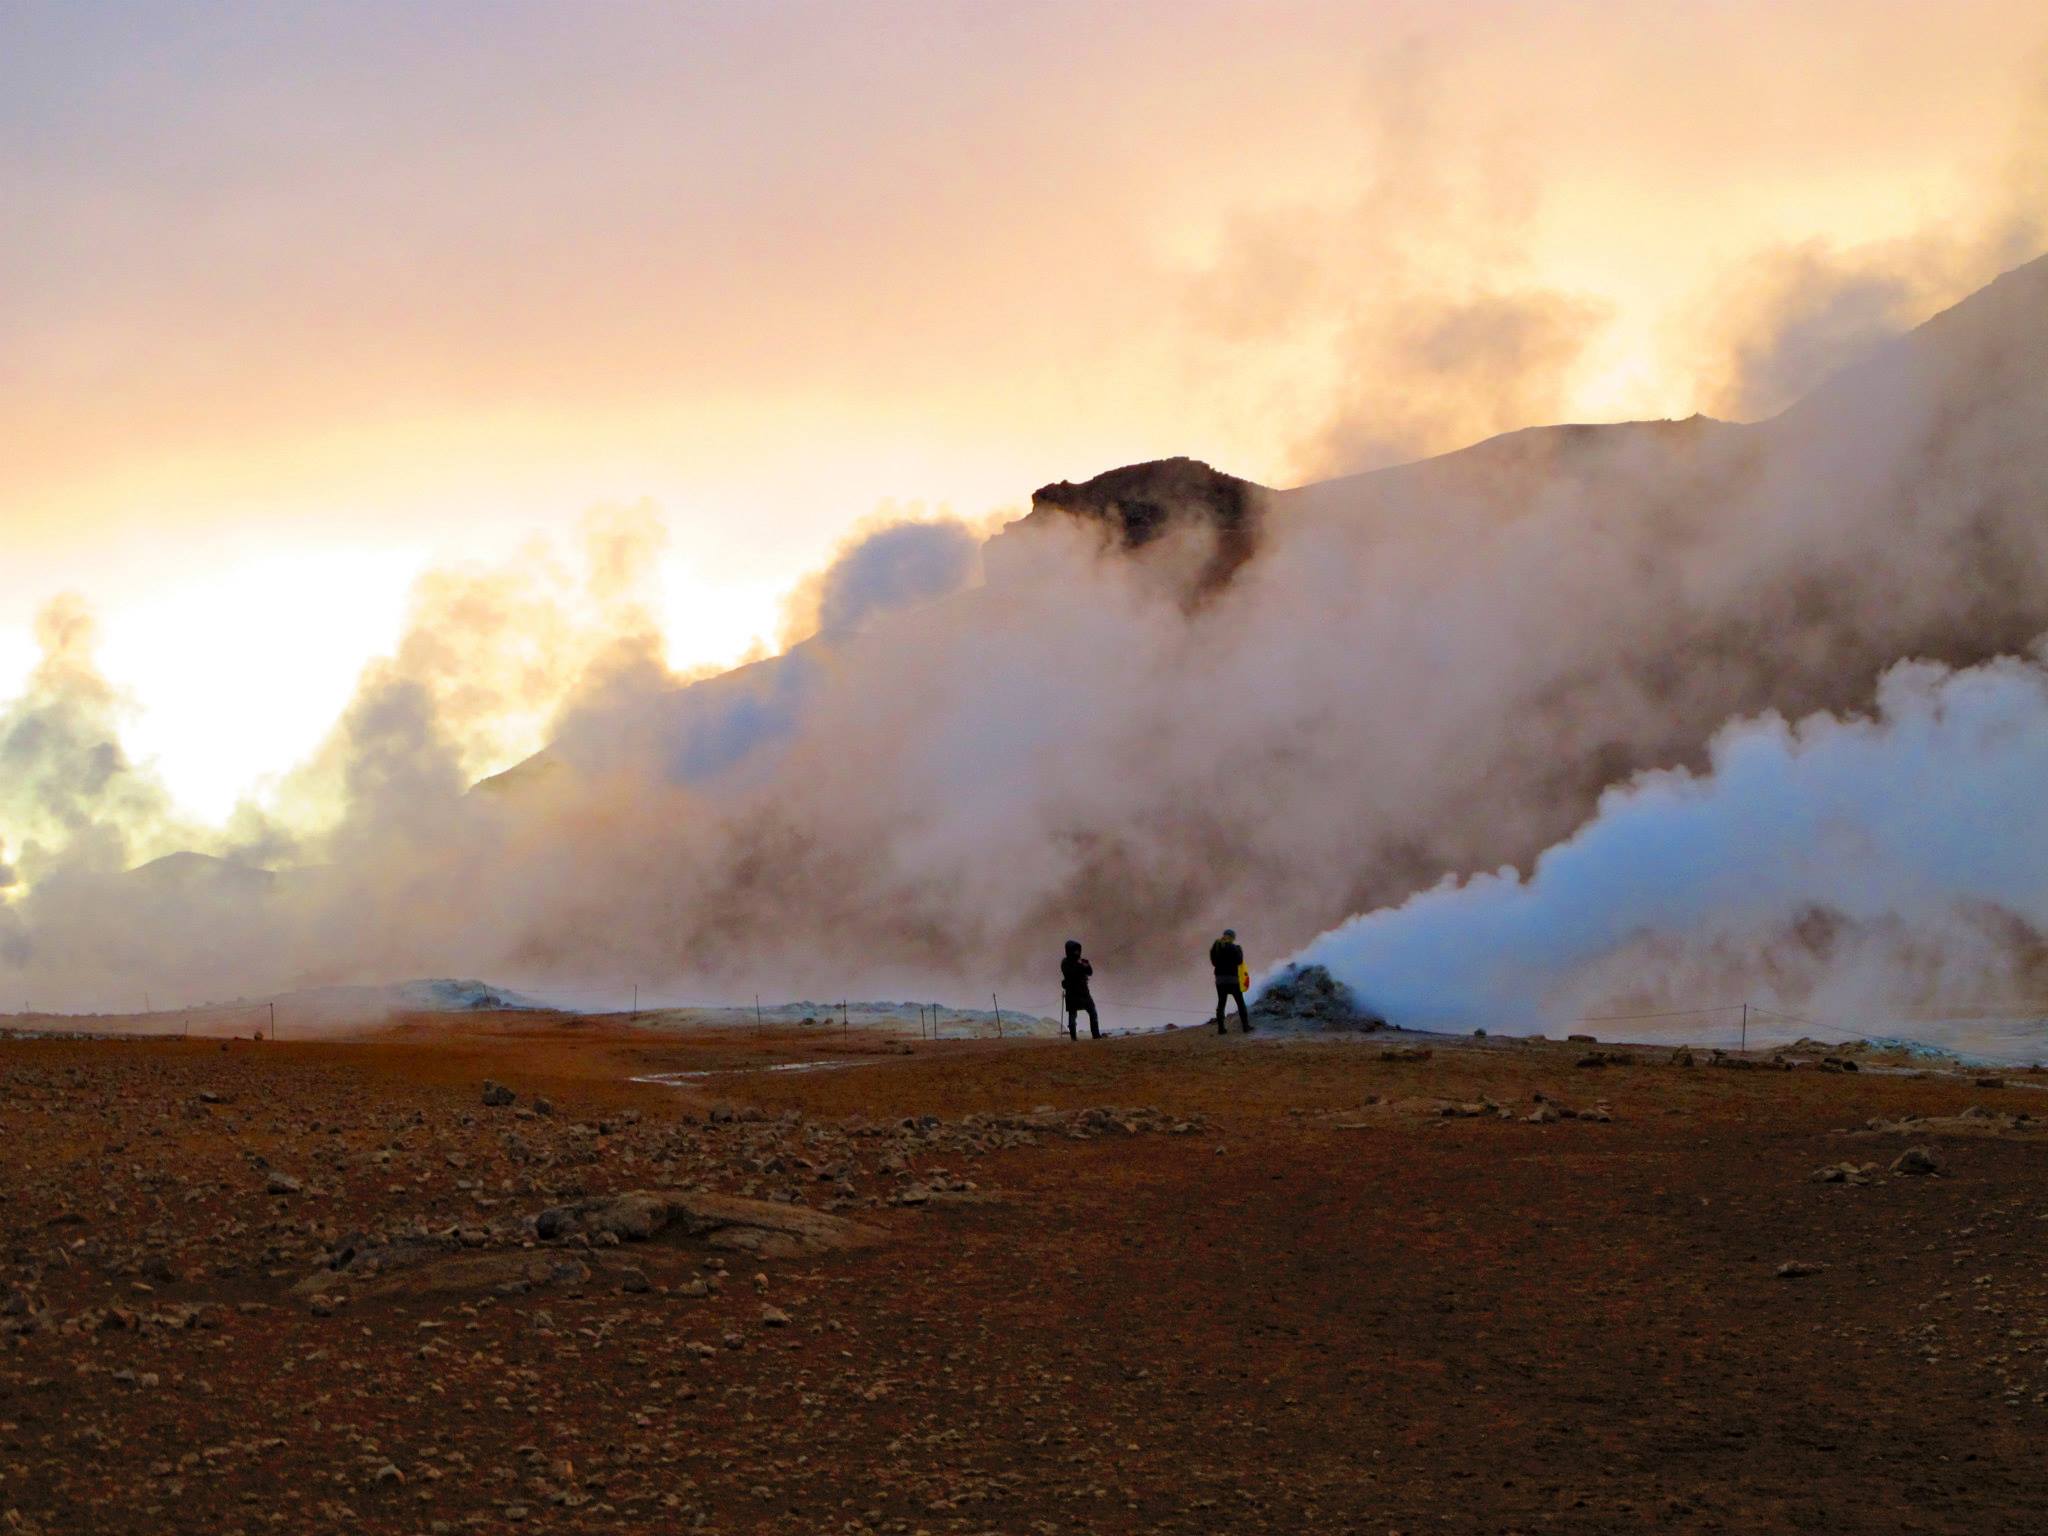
1795	1269
282	1184
1918	1162
497	1095
774	1317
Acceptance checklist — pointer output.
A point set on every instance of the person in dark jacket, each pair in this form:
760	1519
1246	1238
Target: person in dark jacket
1226	959
1074	974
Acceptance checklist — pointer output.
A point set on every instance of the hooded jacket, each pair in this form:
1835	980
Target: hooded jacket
1225	958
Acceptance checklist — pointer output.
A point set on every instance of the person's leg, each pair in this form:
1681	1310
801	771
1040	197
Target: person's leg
1244	1019
1094	1021
1222	998
1073	1022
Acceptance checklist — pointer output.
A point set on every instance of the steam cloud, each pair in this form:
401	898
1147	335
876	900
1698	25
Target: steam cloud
1417	293
893	565
1846	866
1425	670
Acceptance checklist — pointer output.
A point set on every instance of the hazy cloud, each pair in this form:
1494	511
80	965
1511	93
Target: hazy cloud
888	564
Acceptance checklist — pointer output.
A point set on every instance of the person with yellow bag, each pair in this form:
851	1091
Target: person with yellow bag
1226	959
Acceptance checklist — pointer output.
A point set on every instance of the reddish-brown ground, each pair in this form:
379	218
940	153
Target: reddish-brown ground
1304	1313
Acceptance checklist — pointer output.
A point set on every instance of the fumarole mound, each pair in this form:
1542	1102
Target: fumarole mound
1309	997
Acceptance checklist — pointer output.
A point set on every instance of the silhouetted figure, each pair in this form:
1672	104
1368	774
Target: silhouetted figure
1226	959
1074	974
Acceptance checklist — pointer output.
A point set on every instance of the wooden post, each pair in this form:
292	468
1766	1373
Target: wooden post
1745	1029
999	1014
273	1023
636	1002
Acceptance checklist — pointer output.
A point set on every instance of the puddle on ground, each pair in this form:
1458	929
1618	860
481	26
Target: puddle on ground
684	1079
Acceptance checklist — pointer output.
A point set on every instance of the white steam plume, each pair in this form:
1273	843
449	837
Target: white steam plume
1175	702
1787	873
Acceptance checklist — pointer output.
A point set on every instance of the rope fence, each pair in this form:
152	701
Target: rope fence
209	1021
283	1019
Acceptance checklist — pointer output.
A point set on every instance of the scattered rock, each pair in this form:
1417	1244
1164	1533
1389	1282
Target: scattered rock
768	1228
1796	1269
424	1272
497	1095
1918	1162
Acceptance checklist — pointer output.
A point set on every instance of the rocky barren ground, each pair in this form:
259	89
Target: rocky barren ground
1166	1284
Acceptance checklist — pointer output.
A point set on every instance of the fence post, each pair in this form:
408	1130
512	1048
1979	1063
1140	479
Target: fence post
1745	1028
999	1014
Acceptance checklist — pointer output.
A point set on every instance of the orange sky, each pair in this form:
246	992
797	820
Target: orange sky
296	299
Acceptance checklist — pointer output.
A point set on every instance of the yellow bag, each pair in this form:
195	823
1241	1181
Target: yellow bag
1244	976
